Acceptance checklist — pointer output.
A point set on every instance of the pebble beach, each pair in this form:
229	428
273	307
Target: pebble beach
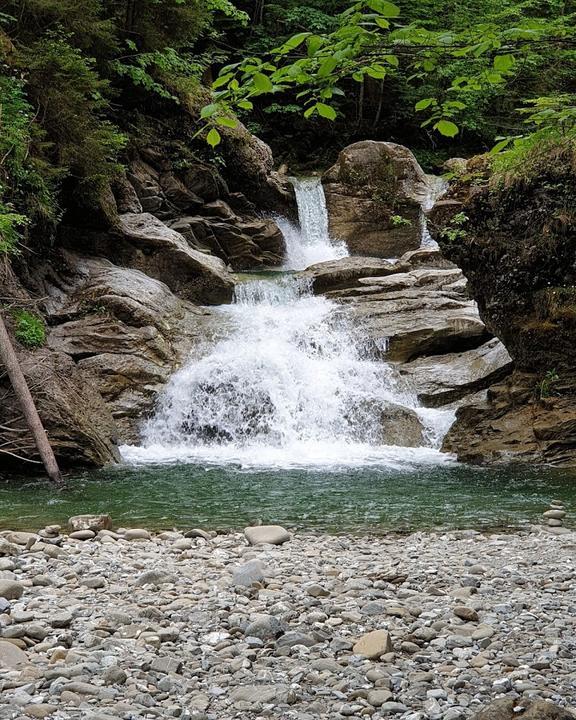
100	623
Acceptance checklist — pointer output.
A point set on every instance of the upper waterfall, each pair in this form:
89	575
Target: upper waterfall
310	243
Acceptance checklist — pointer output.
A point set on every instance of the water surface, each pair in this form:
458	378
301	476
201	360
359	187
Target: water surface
373	499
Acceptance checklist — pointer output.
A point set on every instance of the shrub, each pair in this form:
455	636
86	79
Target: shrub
29	329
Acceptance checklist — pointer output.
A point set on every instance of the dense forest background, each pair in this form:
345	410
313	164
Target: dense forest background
84	81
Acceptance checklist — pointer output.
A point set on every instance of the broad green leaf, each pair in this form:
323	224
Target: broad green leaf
245	104
376	73
221	80
327	67
384	8
262	83
446	128
382	22
314	43
209	110
326	111
494	78
227	122
423	104
503	63
500	145
391	60
213	138
295	41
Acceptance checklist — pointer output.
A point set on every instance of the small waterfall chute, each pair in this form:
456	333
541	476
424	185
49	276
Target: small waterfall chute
309	243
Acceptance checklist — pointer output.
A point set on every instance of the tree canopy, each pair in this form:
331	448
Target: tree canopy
79	80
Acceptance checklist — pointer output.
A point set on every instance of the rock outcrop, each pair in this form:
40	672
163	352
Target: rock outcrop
79	424
143	242
127	331
515	244
416	314
375	194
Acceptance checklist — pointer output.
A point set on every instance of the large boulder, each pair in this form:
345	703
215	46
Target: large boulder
125	330
79	425
406	324
242	244
250	169
143	242
442	379
515	423
344	272
375	195
197	203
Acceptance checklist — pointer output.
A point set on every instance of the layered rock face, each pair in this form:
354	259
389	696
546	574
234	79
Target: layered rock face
81	428
517	251
126	331
416	314
375	194
197	204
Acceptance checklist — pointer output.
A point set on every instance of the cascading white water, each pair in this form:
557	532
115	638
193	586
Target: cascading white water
309	244
437	188
292	384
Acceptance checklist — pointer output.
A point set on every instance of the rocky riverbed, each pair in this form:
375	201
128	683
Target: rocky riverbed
126	624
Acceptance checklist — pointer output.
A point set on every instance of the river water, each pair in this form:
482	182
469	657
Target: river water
281	420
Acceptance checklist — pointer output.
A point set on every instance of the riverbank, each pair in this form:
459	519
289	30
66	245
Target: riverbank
208	626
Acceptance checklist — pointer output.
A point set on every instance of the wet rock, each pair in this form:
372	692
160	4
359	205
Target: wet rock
132	337
345	272
442	379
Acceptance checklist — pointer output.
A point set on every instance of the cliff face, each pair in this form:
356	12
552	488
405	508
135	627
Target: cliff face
518	250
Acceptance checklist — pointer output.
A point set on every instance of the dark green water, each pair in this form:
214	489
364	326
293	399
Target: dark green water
356	500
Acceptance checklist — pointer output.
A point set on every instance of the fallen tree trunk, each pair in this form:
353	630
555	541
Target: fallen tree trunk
10	361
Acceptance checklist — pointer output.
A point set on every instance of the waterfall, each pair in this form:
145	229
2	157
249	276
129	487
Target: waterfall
292	383
310	243
437	187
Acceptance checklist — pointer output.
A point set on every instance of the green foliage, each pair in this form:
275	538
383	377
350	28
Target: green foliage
26	186
399	221
11	225
74	101
550	131
29	329
545	387
455	230
72	72
464	66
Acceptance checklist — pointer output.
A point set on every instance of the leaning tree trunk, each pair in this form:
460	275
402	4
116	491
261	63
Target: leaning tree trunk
20	386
